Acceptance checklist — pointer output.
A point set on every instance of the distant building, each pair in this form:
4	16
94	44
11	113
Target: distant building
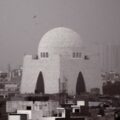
4	76
60	66
95	91
111	83
11	87
10	82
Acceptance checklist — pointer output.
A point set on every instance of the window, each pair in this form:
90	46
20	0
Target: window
77	55
77	110
44	54
41	55
73	55
28	107
86	57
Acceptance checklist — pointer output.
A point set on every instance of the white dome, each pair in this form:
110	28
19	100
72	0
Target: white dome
59	38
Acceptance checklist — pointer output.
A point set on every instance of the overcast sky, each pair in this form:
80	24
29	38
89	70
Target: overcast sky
24	22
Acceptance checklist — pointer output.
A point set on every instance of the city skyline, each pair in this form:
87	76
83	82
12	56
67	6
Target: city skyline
23	23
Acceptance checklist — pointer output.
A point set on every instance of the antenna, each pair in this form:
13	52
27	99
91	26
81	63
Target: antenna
9	72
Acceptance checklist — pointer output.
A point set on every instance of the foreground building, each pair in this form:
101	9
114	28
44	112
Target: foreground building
60	65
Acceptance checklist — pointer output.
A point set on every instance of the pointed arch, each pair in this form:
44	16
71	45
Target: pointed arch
80	85
40	84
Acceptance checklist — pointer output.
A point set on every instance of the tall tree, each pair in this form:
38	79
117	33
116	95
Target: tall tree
40	84
80	85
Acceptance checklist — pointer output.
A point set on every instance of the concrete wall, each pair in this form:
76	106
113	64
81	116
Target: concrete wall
69	70
92	68
50	71
14	117
62	67
38	108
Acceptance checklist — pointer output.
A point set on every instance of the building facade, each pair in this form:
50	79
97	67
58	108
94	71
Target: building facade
60	63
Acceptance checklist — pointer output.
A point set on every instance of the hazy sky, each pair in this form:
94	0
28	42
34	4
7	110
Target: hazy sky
23	23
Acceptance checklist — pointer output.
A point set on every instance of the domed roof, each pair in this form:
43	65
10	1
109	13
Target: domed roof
59	38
